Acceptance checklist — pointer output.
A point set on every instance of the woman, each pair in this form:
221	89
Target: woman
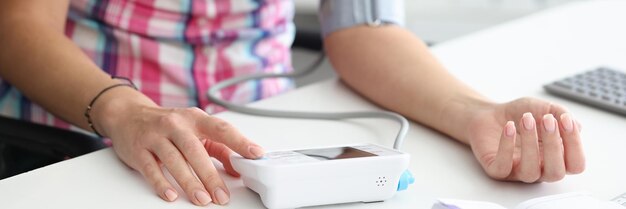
56	64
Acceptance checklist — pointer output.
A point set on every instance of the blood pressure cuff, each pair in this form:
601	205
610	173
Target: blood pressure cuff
335	15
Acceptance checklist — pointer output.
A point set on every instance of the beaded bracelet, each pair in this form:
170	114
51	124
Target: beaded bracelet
89	107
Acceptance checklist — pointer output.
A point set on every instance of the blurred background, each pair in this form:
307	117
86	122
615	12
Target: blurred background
435	21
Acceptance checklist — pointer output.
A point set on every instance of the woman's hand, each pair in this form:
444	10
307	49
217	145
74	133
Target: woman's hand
527	140
183	140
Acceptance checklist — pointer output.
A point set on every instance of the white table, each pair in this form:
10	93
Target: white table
505	62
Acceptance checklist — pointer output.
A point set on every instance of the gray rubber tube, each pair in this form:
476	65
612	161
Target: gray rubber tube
404	124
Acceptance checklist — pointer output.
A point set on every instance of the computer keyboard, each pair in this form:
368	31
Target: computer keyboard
603	87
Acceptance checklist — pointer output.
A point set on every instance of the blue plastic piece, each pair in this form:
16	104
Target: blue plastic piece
405	180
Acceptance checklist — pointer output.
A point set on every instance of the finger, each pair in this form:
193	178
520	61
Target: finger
556	109
222	153
530	162
502	165
554	165
560	110
151	171
178	167
221	131
200	162
574	155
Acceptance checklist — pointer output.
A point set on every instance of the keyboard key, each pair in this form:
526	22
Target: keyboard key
564	84
617	94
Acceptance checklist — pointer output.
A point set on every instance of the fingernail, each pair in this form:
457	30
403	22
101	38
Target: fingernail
529	121
170	195
222	197
202	197
256	151
509	129
568	123
548	123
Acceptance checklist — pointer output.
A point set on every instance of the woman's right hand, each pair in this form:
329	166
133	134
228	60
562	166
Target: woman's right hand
183	140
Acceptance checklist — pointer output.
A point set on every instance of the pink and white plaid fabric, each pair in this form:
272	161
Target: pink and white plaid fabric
174	50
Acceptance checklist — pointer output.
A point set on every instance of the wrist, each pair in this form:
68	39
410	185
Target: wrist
459	112
115	107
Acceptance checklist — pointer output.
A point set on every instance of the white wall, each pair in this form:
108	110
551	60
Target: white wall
440	20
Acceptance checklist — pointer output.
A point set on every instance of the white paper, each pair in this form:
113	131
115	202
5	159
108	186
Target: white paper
576	200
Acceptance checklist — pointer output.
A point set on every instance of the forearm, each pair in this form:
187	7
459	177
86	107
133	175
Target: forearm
49	69
394	69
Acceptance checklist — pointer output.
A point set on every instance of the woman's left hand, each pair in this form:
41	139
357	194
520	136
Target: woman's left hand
527	140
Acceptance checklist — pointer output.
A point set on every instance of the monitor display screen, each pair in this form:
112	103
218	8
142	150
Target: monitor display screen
335	153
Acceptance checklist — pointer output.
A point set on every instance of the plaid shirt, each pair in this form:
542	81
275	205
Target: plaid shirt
174	50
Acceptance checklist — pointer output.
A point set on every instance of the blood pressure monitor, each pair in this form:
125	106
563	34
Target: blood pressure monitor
329	175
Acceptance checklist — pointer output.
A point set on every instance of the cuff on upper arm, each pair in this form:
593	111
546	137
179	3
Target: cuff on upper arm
335	15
